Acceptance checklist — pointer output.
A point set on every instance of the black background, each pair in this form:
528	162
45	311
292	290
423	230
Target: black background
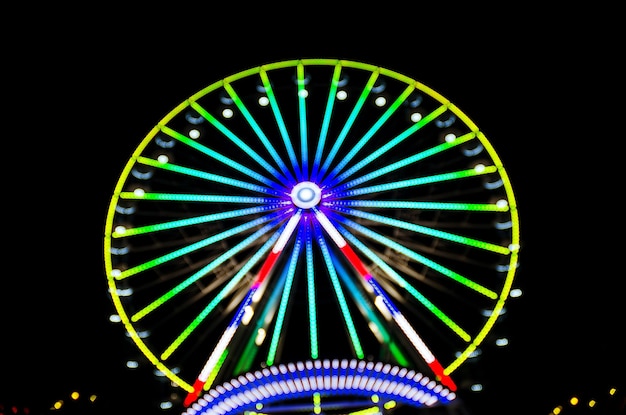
83	87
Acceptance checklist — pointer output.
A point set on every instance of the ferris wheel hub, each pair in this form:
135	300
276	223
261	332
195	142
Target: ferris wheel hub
306	195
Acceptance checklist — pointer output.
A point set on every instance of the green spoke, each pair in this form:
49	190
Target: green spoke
205	176
368	135
408	161
257	129
227	161
284	300
345	312
236	140
346	128
392	143
406	204
403	283
428	231
279	119
421	259
121	232
226	290
202	272
420	181
196	246
139	194
321	142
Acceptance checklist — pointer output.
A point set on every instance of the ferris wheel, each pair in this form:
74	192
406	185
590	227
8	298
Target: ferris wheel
314	235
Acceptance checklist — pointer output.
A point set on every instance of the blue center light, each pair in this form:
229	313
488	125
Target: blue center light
306	195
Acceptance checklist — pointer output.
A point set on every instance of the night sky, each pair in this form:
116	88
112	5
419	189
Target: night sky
88	91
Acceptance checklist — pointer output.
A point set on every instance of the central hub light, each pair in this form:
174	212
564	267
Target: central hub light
306	195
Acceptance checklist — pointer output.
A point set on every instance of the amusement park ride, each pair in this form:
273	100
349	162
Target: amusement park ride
313	236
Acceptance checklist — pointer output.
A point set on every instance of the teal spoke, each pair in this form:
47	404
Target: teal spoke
204	271
343	306
368	135
197	245
257	129
310	284
321	142
349	122
279	120
214	217
418	258
501	206
236	140
284	300
217	156
403	283
377	325
206	176
223	293
392	143
427	231
419	181
304	146
407	161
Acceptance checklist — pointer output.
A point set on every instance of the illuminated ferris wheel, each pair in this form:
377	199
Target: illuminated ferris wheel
312	235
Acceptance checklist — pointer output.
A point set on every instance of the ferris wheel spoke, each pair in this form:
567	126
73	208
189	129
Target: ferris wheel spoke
221	295
321	142
370	133
204	271
376	323
400	224
420	258
311	295
226	161
398	317
284	301
345	312
120	275
499	206
406	285
228	334
236	140
140	194
302	95
418	181
407	161
267	85
206	176
197	220
390	144
349	122
257	129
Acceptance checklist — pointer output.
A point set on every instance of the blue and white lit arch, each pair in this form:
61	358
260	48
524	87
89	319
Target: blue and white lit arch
283	386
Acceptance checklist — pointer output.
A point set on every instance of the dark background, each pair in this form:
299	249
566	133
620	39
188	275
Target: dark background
83	87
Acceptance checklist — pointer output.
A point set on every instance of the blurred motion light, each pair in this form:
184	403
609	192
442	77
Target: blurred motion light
503	341
476	387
